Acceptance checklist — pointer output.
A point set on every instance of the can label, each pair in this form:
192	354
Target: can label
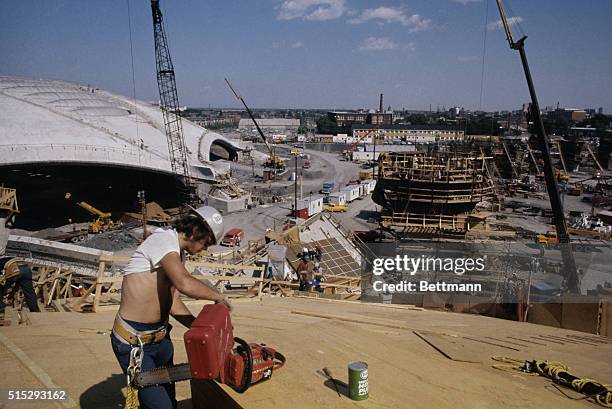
358	381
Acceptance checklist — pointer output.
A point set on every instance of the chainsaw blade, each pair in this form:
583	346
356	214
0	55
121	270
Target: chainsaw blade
157	376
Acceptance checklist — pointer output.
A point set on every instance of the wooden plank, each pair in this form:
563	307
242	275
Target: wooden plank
227	278
452	348
36	370
76	306
190	265
605	325
580	316
101	269
207	394
491	343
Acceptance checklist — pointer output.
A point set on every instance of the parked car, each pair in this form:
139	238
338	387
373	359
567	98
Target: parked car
306	165
335	208
232	238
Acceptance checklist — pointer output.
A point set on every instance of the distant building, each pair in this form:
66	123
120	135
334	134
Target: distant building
369	152
271	125
572	115
324	138
410	133
349	118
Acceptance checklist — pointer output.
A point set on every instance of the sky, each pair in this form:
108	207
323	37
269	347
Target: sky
325	54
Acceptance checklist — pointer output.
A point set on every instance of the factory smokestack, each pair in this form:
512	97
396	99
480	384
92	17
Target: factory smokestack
380	108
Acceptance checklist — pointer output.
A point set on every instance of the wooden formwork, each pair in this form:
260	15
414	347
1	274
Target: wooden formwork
8	201
105	285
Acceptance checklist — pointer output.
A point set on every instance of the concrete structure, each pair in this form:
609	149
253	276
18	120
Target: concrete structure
411	133
81	260
270	125
58	137
61	122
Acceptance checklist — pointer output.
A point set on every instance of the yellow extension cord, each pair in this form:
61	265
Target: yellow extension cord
551	370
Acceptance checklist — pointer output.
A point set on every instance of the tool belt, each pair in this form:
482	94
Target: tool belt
129	335
9	268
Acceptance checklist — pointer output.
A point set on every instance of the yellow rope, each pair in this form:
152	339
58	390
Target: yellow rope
552	370
131	398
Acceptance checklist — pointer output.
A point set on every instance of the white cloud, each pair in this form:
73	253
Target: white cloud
297	44
468	58
464	2
276	45
313	10
393	15
377	44
498	25
410	46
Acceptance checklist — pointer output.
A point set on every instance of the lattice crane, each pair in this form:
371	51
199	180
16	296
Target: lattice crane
169	104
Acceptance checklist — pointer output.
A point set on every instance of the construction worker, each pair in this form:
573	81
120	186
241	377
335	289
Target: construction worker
153	280
14	271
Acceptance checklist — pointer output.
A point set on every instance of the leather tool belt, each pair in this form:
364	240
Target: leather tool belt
129	335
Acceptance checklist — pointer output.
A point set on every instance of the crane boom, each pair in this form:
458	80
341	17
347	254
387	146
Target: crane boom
239	97
169	104
571	274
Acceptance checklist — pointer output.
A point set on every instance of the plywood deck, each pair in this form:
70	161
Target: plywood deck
405	371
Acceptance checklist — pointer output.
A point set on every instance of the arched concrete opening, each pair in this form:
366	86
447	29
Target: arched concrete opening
221	149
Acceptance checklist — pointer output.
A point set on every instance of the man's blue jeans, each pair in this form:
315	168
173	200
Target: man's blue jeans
155	356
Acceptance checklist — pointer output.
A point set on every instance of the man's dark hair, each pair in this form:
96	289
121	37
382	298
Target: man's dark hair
193	227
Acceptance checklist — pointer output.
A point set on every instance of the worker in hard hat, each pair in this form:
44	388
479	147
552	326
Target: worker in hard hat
14	271
152	283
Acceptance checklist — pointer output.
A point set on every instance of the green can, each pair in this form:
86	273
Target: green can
358	380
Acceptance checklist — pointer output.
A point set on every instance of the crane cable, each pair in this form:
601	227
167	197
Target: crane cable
484	53
559	373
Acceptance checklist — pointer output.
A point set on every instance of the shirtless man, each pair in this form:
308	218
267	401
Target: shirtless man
153	280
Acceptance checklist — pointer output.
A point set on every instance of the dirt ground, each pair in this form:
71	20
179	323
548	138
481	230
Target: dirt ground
404	370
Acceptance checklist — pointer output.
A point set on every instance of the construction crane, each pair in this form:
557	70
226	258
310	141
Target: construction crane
273	161
169	104
571	274
103	221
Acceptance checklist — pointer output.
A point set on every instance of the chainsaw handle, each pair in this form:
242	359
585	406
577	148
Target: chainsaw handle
279	360
248	366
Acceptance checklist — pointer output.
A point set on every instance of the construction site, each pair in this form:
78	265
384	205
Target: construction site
319	256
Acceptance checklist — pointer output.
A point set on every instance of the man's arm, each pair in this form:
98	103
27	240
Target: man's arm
179	310
186	284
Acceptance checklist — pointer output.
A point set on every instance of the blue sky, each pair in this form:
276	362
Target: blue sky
320	53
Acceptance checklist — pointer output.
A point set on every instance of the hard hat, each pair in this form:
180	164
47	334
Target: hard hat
213	219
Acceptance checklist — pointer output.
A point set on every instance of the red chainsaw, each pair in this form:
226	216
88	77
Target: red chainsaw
214	353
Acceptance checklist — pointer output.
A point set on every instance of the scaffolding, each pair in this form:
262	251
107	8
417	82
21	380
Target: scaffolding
431	193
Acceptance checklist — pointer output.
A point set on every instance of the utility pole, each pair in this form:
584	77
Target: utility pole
295	188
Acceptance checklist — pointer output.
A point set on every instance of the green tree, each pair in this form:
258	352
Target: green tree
325	125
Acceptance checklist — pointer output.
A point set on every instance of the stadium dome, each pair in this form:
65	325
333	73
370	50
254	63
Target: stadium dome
57	136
